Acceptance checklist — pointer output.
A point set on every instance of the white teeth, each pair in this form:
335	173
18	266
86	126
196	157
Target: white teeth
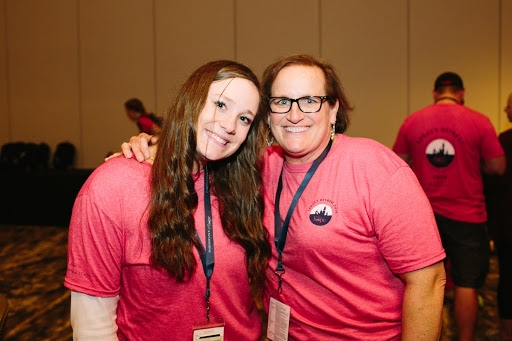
296	129
216	137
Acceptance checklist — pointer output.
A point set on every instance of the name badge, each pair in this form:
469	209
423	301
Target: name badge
278	320
209	331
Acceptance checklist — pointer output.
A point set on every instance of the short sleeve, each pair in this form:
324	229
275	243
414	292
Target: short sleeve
94	250
405	227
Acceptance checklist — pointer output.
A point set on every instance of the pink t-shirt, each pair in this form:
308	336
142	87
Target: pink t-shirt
108	255
362	220
447	143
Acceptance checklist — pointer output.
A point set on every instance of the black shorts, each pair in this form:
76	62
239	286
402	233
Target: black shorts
467	249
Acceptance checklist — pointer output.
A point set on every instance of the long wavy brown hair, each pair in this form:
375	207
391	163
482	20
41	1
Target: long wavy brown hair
235	181
333	87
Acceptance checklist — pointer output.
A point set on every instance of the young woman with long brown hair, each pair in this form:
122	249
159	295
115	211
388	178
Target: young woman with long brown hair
140	232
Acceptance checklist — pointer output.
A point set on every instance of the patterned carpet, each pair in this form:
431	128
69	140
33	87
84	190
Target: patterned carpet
32	269
488	322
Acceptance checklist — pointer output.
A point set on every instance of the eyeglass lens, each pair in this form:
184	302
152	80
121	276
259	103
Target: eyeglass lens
307	104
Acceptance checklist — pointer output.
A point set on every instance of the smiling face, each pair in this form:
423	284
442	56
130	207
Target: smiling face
302	136
226	118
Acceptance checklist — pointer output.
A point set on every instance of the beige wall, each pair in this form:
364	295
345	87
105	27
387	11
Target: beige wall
189	34
67	66
42	65
470	47
115	44
367	41
4	105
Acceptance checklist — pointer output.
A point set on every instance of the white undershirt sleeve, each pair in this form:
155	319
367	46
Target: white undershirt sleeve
93	318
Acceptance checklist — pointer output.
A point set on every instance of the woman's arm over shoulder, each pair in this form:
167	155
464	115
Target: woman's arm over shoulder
142	146
139	146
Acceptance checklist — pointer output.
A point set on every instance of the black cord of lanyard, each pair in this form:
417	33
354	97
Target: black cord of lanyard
281	231
207	253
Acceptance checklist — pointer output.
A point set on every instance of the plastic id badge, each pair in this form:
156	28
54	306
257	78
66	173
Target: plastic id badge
209	331
278	320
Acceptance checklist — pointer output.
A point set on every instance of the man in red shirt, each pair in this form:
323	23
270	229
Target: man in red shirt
446	143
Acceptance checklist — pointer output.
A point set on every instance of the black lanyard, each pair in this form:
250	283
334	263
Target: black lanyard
207	256
280	231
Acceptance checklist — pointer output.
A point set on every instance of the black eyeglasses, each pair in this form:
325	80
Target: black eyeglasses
307	104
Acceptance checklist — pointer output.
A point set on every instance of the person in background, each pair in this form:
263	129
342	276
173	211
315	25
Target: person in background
176	249
445	144
147	123
499	192
357	253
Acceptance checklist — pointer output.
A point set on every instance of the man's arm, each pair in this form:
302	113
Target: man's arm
423	303
495	166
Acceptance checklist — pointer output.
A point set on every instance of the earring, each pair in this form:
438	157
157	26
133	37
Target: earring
333	131
269	138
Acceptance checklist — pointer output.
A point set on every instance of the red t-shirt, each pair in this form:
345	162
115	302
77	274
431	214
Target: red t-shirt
447	143
108	255
145	124
362	219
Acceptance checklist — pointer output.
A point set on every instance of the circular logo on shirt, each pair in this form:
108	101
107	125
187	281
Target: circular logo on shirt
440	153
320	214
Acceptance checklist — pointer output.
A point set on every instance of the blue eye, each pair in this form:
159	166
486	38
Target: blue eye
309	100
280	101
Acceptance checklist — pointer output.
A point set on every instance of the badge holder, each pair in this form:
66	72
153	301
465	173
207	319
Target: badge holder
209	331
278	320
